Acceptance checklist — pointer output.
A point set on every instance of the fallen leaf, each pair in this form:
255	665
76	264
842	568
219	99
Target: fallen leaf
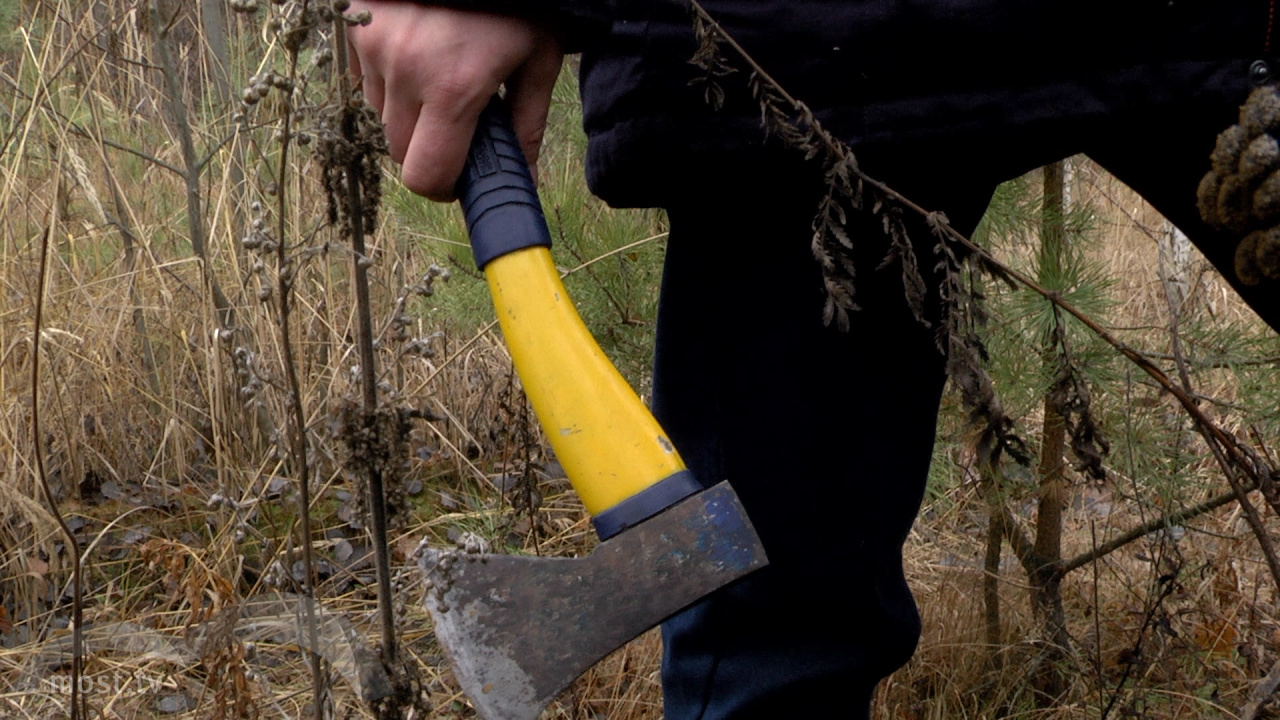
36	566
343	551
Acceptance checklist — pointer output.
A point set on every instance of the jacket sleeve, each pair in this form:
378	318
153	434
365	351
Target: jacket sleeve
579	23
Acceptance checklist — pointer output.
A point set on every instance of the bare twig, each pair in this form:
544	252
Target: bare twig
1166	584
1154	525
78	710
192	167
297	427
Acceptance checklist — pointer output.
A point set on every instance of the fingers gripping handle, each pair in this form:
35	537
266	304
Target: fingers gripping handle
497	191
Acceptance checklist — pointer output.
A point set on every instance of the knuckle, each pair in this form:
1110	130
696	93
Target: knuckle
460	87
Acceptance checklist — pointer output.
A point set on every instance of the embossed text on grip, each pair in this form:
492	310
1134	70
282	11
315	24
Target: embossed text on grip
497	192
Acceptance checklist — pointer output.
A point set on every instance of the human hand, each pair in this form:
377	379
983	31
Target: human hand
429	72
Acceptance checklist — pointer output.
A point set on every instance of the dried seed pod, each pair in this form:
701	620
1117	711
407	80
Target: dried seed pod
248	96
1207	198
1246	263
1260	156
341	5
1266	199
1233	204
1226	153
1261	112
1266	253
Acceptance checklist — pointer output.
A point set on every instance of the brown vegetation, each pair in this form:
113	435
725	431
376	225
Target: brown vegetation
174	437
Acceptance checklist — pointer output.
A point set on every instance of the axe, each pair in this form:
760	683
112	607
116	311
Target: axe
520	629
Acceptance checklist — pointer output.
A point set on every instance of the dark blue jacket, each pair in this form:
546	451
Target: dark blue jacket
880	72
888	71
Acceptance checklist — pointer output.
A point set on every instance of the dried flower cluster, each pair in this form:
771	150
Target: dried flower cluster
1071	399
1241	193
377	443
350	135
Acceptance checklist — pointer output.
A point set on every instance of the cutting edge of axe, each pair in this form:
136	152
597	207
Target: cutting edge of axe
520	629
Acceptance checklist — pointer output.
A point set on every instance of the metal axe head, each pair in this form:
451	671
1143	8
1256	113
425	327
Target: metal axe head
520	629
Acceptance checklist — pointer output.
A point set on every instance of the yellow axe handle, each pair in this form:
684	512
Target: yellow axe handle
609	444
616	455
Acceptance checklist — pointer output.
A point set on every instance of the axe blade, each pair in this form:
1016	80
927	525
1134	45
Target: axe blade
520	629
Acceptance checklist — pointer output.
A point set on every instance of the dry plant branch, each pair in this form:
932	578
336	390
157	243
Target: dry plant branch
357	205
1166	584
78	710
192	166
1144	529
297	425
791	120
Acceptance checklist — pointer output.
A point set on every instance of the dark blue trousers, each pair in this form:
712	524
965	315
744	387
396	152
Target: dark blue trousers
827	436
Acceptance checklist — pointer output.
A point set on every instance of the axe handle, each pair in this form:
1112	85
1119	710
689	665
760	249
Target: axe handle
615	453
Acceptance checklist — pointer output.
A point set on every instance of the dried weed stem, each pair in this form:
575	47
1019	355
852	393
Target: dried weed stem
297	427
78	709
355	217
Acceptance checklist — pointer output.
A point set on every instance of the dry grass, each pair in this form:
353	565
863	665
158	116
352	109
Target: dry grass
1194	653
169	468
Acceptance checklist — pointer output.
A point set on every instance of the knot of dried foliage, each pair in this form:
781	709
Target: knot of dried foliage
376	442
350	144
1241	192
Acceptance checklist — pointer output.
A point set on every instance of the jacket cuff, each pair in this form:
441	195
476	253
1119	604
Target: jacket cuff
579	24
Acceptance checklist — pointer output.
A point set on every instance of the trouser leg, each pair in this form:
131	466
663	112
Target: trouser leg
827	437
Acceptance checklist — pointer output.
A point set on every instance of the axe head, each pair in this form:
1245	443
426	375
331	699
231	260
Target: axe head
520	629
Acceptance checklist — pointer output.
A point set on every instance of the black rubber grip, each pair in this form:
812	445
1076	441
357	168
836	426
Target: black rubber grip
497	192
646	503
